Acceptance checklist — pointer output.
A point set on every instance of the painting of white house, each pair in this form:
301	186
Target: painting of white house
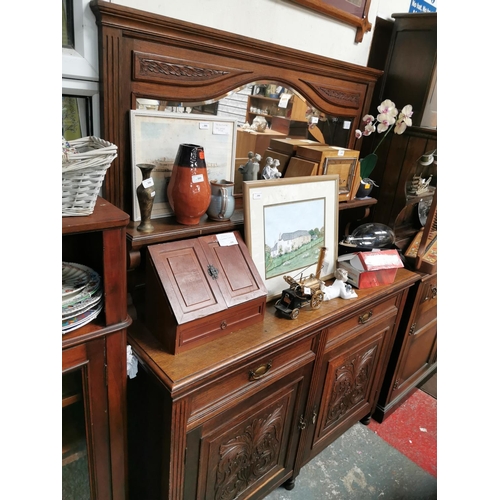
293	235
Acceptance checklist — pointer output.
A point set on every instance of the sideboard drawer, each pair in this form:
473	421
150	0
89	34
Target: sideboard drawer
250	378
366	316
426	310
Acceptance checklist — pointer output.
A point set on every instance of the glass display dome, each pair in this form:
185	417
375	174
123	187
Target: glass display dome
371	235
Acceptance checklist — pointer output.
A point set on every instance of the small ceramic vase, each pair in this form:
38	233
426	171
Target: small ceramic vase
221	201
145	196
188	191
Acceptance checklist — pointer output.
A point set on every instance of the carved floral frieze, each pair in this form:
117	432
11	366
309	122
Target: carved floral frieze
350	385
245	458
153	67
338	97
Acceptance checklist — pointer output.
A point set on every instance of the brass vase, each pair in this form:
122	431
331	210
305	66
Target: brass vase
188	191
146	195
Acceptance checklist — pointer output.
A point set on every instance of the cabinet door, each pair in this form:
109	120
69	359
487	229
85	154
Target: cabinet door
249	449
85	434
419	348
348	383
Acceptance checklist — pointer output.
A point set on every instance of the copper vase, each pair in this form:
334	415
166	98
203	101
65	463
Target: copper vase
188	191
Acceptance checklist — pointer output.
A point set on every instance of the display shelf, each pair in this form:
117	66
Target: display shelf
94	360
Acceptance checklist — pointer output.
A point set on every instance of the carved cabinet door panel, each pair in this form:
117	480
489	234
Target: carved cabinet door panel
250	448
348	384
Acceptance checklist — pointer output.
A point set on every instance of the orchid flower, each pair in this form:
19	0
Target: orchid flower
385	121
404	119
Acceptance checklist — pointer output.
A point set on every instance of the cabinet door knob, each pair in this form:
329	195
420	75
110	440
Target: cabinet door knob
365	317
260	371
213	272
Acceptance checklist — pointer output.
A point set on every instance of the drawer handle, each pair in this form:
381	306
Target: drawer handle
260	371
434	291
223	324
365	317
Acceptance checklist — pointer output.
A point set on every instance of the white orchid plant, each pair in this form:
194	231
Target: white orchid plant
386	120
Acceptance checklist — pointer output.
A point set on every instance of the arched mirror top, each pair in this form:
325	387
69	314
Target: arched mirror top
148	56
283	109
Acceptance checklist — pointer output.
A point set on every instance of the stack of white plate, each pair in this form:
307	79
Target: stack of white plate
81	295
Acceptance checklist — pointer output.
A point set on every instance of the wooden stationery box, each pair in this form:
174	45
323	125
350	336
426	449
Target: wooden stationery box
199	289
289	145
335	160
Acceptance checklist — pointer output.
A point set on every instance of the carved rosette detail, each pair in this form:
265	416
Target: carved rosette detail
247	457
350	386
148	66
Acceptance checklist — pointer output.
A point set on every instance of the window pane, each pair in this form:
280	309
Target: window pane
68	34
76	117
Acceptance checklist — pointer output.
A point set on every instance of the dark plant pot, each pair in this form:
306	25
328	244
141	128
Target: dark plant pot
365	188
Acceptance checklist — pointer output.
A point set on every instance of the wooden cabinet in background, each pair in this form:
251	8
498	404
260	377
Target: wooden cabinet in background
406	50
94	363
257	142
268	107
414	356
239	416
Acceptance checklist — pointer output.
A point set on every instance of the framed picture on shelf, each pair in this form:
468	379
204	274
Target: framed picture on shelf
287	221
155	138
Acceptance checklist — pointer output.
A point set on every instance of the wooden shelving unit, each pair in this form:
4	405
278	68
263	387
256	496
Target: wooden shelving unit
94	360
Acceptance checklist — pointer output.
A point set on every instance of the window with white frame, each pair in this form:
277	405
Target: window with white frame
80	70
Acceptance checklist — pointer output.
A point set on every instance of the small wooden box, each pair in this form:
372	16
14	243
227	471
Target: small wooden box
335	160
199	289
288	145
298	167
251	140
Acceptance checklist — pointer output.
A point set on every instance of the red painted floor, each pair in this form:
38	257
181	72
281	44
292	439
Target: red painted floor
412	430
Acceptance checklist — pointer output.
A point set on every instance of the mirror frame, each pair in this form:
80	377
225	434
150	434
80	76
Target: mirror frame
146	55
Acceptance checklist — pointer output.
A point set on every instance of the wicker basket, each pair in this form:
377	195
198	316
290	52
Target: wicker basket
83	171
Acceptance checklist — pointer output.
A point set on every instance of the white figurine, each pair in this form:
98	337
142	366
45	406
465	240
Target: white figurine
274	169
339	288
270	170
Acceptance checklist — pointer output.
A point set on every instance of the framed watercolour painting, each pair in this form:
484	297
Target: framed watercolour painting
155	138
287	221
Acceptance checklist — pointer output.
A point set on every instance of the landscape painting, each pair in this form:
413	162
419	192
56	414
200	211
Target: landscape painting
293	235
287	221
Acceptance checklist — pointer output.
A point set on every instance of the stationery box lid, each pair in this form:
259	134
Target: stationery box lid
205	275
289	145
374	260
317	152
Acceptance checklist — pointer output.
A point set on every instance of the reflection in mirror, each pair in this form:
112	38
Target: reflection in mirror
285	112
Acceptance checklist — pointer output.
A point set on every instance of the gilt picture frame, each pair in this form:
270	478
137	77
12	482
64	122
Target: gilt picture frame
287	221
155	138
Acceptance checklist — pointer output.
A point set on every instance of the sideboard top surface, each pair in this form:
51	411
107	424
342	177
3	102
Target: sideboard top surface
177	372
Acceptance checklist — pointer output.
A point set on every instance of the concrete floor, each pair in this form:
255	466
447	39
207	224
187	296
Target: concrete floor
359	465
